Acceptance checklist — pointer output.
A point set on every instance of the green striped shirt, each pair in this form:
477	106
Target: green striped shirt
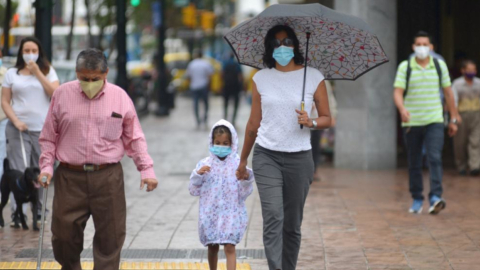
423	100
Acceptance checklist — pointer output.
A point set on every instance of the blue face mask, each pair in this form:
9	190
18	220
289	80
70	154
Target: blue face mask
220	150
283	55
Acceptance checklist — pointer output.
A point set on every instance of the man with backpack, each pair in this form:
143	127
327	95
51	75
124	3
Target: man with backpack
418	100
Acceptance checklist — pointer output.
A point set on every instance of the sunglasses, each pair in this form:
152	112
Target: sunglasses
285	42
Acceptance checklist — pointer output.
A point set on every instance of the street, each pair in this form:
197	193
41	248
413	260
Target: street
352	219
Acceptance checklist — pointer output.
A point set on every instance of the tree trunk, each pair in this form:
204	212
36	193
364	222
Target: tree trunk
70	35
89	24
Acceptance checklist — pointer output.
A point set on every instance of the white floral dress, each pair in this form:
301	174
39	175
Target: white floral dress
222	213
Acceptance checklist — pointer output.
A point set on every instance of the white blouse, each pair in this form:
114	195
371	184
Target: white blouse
30	103
281	94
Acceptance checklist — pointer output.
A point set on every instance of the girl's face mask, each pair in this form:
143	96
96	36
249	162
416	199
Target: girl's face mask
221	151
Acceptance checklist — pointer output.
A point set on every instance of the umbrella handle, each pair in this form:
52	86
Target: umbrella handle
305	75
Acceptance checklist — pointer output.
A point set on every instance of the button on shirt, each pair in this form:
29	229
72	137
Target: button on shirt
467	96
79	130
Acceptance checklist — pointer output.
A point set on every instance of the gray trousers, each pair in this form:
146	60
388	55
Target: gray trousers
15	156
467	142
283	180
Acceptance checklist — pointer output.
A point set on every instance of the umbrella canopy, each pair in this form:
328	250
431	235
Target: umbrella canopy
342	47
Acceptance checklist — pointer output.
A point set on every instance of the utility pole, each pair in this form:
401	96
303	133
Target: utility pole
122	80
43	25
164	99
6	27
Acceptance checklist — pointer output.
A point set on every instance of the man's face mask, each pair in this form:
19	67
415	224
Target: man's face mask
91	89
422	52
470	75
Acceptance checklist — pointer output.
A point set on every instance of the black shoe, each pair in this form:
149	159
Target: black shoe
475	172
462	172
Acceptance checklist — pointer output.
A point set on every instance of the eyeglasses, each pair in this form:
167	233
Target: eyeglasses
286	42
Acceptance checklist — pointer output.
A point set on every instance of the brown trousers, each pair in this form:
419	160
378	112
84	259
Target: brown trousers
467	142
79	195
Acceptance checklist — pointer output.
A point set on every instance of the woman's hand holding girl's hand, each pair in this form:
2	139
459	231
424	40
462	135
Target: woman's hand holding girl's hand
203	170
21	126
303	118
242	173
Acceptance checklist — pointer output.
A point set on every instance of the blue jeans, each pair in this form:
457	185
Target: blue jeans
198	94
415	137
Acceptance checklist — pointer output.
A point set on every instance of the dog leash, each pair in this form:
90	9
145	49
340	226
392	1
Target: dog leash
22	144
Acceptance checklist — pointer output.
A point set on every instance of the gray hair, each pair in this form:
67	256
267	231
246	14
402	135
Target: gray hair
92	59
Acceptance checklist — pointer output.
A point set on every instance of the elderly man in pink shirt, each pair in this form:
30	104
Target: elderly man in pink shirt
90	125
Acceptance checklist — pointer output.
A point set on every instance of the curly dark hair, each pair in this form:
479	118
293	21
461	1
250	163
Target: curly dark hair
268	59
220	130
42	61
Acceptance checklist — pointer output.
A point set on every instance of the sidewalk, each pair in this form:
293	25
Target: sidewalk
352	219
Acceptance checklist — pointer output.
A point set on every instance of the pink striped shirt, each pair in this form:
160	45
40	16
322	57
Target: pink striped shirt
81	131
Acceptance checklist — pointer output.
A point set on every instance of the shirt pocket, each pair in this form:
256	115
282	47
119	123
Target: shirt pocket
112	129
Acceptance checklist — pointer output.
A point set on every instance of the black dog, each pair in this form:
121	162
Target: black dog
24	187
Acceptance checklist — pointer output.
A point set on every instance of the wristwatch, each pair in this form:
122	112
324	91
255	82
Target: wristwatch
314	124
453	121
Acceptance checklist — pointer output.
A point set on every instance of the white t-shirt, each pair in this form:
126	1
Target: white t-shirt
199	72
29	101
281	94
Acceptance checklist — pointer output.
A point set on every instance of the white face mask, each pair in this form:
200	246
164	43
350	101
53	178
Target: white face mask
422	52
30	56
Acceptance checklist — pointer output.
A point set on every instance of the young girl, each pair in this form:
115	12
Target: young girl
222	215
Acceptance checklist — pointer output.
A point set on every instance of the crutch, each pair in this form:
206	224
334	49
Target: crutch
42	226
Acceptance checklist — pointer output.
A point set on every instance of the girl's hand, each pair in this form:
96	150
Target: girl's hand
242	173
245	176
203	170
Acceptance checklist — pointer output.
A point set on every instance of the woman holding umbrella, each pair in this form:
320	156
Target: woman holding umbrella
282	158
